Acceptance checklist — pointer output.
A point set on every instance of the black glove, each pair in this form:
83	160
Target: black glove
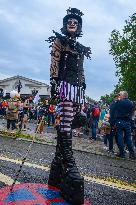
83	85
52	79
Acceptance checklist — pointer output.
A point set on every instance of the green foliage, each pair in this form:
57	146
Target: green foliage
123	49
107	99
89	100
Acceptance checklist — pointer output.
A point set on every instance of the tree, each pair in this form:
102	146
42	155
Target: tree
89	100
123	49
107	99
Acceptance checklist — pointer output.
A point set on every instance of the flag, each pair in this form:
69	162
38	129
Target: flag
36	99
4	93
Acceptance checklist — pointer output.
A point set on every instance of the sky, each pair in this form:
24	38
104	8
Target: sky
25	24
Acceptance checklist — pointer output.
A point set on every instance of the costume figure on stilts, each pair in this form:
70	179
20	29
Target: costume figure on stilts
68	81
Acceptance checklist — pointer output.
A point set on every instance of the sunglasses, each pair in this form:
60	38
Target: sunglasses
72	22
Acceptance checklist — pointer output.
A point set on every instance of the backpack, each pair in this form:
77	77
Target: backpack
96	112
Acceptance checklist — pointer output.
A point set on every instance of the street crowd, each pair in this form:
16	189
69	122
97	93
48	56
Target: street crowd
114	123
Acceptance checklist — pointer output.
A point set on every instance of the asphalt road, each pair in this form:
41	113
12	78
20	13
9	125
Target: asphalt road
107	180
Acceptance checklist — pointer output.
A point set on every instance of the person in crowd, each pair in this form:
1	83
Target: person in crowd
12	113
57	117
51	114
79	120
4	107
87	110
46	105
112	119
20	115
25	113
1	108
104	110
134	125
123	111
106	127
95	114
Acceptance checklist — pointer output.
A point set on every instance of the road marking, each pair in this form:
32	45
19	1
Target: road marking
45	168
7	180
110	182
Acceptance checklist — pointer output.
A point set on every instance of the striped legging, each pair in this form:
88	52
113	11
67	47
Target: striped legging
67	112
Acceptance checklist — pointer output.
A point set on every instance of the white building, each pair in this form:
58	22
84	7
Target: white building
28	86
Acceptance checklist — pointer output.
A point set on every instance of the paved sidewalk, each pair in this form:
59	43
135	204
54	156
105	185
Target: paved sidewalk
82	143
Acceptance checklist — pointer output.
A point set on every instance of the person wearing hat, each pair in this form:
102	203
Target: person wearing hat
12	110
68	84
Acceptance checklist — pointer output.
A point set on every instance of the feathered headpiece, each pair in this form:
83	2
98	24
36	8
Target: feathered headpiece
76	14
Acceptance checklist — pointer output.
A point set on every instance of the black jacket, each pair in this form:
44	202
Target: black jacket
123	110
71	68
112	113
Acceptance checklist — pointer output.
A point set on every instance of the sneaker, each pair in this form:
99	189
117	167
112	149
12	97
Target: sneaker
111	151
120	155
105	148
126	151
133	157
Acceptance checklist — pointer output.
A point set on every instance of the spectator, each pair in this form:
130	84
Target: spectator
106	127
134	125
12	114
25	113
51	114
87	110
103	112
102	115
95	114
124	110
4	106
112	123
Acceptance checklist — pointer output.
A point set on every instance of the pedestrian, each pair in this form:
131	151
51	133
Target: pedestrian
102	115
20	115
87	110
51	115
106	127
112	119
12	114
124	110
134	125
95	114
4	106
25	113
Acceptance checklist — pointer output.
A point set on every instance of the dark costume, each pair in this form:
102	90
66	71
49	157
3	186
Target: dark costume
68	82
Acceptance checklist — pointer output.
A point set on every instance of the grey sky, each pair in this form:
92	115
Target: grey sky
24	25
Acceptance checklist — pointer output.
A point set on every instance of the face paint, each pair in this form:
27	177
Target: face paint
72	25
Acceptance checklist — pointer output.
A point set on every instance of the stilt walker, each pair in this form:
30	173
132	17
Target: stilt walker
68	81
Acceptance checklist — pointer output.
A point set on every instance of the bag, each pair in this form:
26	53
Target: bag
96	112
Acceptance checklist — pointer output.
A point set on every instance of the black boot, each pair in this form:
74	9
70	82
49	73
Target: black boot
72	185
56	166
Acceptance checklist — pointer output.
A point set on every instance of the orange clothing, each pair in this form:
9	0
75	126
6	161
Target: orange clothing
4	104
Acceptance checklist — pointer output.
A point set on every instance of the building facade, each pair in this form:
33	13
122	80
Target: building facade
29	87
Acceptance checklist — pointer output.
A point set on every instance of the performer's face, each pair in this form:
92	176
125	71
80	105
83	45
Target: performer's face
72	25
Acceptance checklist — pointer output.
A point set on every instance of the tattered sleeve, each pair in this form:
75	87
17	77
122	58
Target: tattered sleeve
55	58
